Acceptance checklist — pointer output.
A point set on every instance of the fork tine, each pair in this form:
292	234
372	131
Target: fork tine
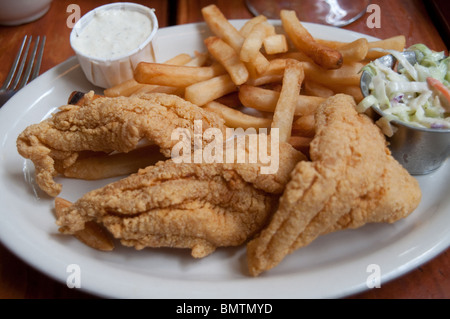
30	64
21	66
38	61
12	71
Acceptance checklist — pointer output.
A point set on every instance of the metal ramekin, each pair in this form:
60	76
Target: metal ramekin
419	150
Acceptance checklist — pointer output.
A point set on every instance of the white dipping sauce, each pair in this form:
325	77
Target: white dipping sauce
113	33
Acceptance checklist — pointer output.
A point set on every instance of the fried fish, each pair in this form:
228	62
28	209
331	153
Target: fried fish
351	180
184	205
106	125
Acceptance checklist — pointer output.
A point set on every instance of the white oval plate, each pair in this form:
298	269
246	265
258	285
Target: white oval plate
333	266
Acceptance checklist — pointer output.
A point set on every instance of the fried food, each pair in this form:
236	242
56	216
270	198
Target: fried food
254	41
304	126
347	74
285	108
355	51
175	75
236	119
104	165
222	28
204	92
324	56
184	205
131	86
275	44
104	124
248	26
266	100
228	57
93	234
397	43
351	180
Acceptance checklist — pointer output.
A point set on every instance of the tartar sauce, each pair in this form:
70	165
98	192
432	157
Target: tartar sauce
113	33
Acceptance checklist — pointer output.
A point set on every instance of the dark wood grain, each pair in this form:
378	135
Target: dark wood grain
53	25
409	17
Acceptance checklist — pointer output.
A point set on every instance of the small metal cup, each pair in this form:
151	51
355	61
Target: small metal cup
419	150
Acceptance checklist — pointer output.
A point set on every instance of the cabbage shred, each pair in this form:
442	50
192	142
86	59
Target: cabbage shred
403	94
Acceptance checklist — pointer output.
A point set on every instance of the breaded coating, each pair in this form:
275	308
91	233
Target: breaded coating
105	124
174	205
185	205
351	180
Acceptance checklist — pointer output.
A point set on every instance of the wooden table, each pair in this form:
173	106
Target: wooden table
18	280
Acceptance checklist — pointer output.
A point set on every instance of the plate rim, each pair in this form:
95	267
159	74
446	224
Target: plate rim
68	65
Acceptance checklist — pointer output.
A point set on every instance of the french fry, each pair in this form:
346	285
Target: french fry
274	73
275	44
324	56
258	98
175	75
125	88
130	87
248	26
93	234
304	126
331	43
206	91
112	165
353	90
396	43
235	119
296	55
228	57
266	100
254	41
231	100
285	108
316	89
199	59
300	143
180	59
257	66
265	79
348	74
355	51
221	27
160	89
393	43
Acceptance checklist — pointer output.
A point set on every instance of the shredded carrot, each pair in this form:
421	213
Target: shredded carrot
435	83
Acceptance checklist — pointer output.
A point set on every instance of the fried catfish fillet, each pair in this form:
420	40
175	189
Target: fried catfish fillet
105	124
351	180
185	205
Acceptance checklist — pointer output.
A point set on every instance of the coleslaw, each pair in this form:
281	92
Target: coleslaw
416	94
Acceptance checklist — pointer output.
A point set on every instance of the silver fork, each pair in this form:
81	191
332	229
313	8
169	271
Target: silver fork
17	77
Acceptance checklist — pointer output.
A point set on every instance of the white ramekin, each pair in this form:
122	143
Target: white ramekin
16	12
106	73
